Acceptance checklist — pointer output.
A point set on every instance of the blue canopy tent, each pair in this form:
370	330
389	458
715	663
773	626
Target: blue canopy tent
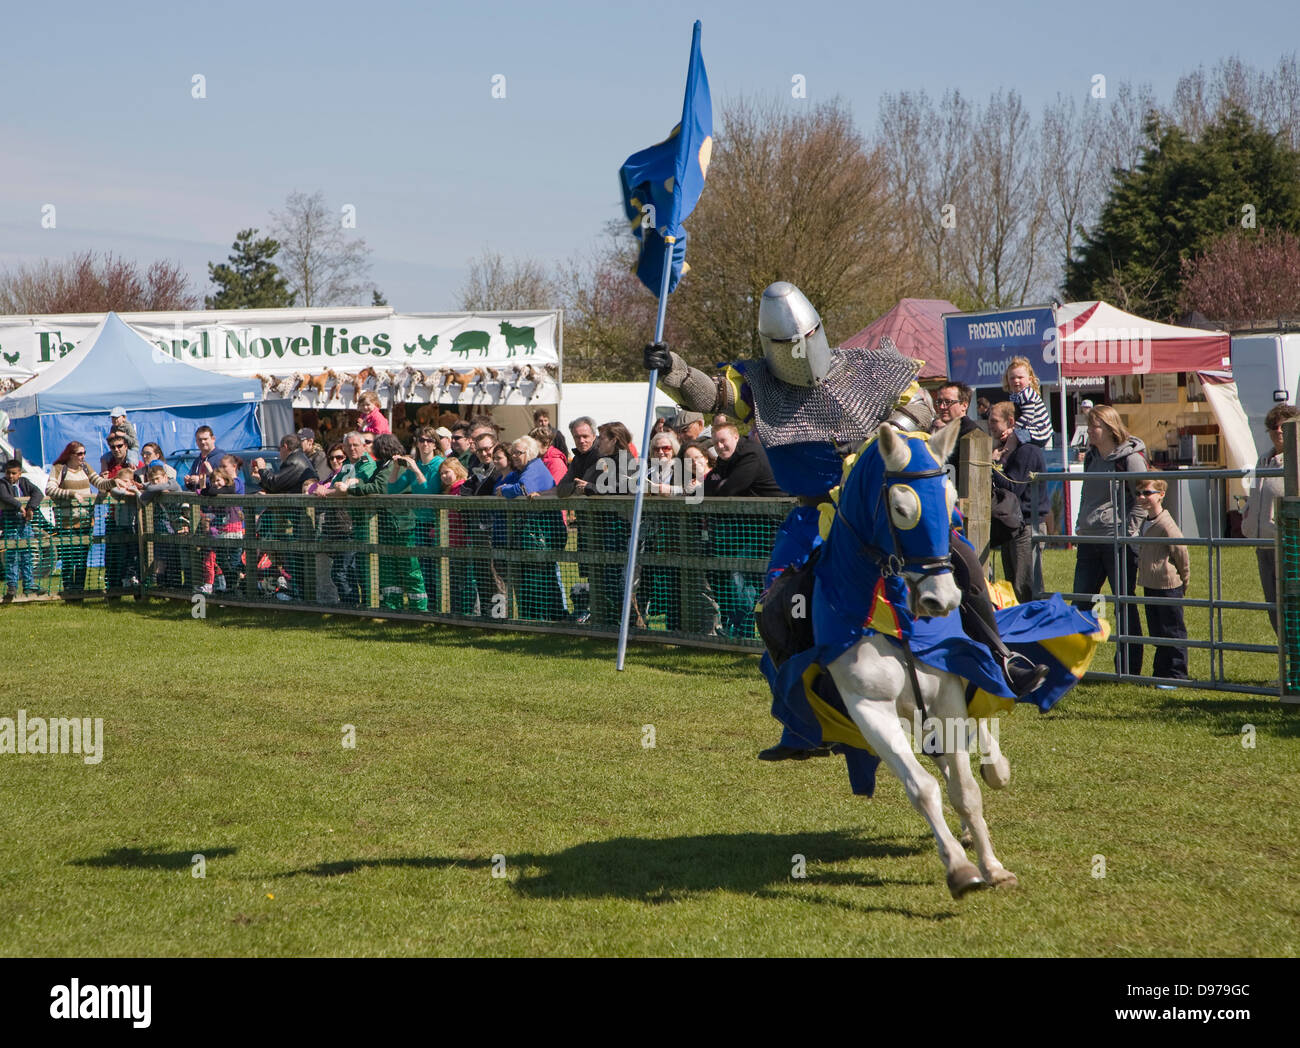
115	366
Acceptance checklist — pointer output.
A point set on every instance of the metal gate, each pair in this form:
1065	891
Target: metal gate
1204	616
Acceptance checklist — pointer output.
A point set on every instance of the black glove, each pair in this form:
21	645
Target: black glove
656	357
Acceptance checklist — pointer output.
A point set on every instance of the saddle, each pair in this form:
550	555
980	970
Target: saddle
784	612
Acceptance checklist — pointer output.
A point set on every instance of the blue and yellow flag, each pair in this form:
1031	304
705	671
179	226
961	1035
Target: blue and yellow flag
661	185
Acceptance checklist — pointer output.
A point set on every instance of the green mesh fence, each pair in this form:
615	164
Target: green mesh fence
72	549
1288	593
541	563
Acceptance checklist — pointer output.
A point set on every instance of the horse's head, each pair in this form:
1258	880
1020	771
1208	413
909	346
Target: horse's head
914	509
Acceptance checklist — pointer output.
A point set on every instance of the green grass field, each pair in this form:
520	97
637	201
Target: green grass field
223	737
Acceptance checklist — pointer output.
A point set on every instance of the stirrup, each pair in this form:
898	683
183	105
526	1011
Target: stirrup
1023	675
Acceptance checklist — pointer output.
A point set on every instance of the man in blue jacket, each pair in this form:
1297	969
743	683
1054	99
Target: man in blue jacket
16	522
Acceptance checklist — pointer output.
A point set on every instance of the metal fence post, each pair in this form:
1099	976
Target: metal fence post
1286	641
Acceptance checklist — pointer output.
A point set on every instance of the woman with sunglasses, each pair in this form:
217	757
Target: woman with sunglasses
1112	510
336	526
149	454
73	486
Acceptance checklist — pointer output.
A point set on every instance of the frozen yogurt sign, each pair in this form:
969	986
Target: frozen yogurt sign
980	346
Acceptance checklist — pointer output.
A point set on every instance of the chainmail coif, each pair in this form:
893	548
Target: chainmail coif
858	392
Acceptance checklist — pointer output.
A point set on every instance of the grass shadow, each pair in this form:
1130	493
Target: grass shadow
1219	715
665	870
670	657
151	859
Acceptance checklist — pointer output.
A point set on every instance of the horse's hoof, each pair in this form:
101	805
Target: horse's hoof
1004	879
968	839
965	879
996	774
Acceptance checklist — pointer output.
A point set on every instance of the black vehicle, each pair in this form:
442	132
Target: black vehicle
183	461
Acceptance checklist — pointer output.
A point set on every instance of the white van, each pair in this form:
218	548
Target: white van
1267	370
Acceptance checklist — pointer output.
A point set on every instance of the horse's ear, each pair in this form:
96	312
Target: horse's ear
893	449
942	443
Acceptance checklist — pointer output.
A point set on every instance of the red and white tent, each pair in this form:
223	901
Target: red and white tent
916	326
1098	339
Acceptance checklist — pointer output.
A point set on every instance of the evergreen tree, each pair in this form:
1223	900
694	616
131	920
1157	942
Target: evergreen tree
249	279
1183	194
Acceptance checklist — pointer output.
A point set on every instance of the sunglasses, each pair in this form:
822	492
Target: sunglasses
426	440
115	446
1149	492
336	458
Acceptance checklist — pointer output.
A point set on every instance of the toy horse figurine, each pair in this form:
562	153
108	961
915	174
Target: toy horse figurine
884	632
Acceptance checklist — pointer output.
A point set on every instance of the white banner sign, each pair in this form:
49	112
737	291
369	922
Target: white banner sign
303	341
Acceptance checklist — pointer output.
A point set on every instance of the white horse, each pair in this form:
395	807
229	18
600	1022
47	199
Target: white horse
874	683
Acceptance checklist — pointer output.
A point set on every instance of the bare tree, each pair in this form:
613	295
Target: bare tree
1125	138
609	314
86	284
799	198
1272	100
1001	219
1073	181
1279	102
926	150
323	267
494	283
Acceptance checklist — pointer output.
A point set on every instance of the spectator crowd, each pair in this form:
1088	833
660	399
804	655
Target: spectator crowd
689	458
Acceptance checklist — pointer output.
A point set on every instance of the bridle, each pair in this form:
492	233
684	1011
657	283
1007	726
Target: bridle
893	563
933	565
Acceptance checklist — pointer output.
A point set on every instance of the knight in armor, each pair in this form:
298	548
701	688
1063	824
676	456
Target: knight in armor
810	406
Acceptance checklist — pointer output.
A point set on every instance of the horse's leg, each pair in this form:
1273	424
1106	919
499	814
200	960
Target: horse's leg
995	769
865	677
964	792
967	839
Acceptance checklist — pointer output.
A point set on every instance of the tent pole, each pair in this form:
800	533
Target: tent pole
1065	459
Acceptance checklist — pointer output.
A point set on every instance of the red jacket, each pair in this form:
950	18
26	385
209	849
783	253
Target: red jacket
554	460
374	422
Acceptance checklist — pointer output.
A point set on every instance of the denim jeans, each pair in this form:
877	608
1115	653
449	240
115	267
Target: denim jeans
18	560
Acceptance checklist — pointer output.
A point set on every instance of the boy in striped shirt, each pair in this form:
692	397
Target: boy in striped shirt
1033	420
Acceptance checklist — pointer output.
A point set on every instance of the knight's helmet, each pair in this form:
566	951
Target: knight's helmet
794	343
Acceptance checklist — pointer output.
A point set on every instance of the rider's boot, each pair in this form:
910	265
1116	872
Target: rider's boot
1022	675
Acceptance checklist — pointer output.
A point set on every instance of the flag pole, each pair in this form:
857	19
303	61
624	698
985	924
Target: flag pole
642	460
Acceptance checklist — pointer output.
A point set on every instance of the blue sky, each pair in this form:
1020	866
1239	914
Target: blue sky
388	107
